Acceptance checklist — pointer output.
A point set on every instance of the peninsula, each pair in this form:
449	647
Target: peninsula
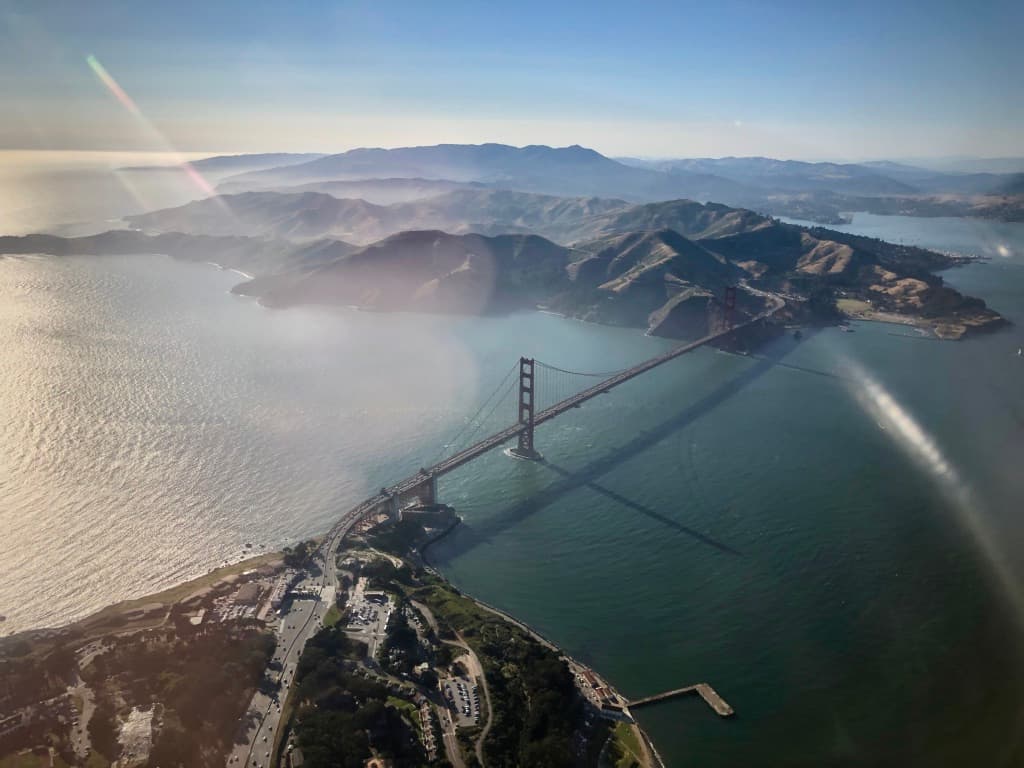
353	647
663	267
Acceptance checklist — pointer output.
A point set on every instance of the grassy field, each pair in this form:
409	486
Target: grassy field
408	709
853	306
627	747
332	617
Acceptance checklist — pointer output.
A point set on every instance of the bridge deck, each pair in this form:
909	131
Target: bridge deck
457	460
462	457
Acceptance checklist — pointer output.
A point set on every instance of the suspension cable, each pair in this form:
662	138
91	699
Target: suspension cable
548	380
499	401
459	435
594	374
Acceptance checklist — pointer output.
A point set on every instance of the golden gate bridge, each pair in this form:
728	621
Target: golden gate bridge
543	392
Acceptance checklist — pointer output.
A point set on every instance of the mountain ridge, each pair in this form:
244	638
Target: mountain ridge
821	191
307	215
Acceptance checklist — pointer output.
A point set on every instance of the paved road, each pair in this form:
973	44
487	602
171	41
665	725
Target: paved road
476	670
451	741
303	619
80	741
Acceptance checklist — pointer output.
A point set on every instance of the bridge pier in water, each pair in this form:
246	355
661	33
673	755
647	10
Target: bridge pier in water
527	388
423	492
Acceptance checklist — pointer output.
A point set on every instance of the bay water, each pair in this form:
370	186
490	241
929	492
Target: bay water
827	532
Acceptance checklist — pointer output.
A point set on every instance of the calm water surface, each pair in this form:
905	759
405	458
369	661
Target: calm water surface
841	566
78	193
826	533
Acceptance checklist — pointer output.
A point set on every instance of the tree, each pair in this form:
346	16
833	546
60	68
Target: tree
103	731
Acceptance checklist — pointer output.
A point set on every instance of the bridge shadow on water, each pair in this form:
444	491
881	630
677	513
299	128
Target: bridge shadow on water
579	480
469	536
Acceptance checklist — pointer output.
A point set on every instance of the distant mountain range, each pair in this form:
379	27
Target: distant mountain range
787	175
820	191
379	191
310	215
221	165
490	228
628	268
568	171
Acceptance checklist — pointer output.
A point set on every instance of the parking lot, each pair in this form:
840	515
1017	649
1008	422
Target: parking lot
463	700
368	617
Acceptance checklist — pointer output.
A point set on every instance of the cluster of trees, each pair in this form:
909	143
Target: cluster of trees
300	555
536	709
28	676
343	718
384	573
203	683
103	729
401	650
399	537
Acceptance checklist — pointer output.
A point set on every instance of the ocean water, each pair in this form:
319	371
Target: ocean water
827	532
78	193
152	424
828	535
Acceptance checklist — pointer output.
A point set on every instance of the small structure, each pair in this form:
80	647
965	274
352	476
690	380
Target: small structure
248	593
705	691
281	588
431	515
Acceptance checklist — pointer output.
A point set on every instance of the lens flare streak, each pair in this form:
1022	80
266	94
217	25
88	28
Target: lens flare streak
129	104
921	447
108	80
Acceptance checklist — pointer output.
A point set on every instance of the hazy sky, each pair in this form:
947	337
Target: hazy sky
818	79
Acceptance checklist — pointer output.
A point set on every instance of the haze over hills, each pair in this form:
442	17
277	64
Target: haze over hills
465	243
869	178
627	266
378	191
787	175
483	211
566	171
452	251
1013	185
248	255
819	191
659	280
227	164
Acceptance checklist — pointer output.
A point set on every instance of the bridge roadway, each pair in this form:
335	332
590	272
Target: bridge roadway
344	525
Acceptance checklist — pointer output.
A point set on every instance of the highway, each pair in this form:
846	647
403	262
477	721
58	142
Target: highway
304	618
